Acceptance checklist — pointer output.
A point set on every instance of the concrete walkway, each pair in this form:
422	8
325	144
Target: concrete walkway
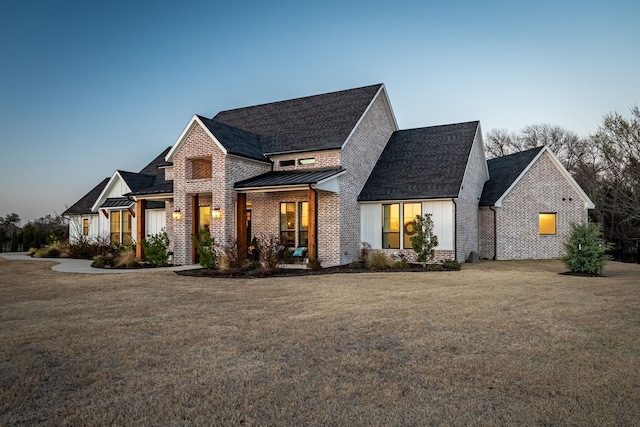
67	265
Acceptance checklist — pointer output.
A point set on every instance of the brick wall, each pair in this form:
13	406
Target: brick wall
359	156
467	238
487	239
542	189
324	159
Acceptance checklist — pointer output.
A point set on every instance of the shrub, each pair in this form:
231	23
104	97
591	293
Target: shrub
586	250
399	265
269	248
424	242
56	249
102	261
251	265
364	253
32	251
233	255
355	264
155	249
378	260
126	258
434	267
451	265
286	256
207	249
85	248
314	264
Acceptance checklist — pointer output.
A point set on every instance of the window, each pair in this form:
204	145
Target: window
115	227
85	226
547	223
291	162
303	224
126	227
204	217
391	226
288	224
411	210
309	161
120	222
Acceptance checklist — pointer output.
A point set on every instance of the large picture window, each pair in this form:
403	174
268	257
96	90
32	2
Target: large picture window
115	227
391	226
120	227
288	224
303	224
547	222
410	211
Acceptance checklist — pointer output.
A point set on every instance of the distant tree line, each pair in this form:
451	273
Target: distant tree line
606	164
34	234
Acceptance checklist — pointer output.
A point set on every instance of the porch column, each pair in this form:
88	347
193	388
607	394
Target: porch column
312	226
195	221
241	225
141	207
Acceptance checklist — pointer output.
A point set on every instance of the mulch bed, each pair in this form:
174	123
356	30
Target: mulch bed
571	273
293	272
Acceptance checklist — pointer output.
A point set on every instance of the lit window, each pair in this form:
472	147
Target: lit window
126	228
288	224
303	224
547	223
309	161
391	226
85	227
115	227
411	210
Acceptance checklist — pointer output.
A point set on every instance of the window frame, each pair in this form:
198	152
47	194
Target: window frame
406	237
542	227
85	226
303	231
388	224
287	235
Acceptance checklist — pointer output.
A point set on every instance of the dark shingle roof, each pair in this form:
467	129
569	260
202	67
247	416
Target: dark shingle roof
286	178
165	187
137	181
319	122
424	163
237	141
83	206
503	171
154	167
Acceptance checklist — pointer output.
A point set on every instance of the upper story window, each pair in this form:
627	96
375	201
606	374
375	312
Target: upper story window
308	161
284	163
200	168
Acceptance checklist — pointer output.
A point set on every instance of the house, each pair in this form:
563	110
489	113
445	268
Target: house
326	172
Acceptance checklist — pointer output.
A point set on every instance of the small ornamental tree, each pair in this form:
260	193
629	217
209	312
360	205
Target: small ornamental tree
586	249
424	242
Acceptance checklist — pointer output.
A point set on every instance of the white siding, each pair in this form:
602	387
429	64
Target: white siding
156	221
76	223
442	216
371	224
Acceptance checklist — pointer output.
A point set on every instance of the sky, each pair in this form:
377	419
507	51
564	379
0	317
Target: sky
88	87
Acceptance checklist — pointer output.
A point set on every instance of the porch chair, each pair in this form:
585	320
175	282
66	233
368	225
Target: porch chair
300	254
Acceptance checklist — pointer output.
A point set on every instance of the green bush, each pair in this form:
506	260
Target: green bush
126	258
378	260
251	265
155	249
434	267
314	264
399	265
32	251
207	249
103	261
355	264
424	242
451	265
586	249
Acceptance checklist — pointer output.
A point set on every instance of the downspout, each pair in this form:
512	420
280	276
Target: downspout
495	233
455	229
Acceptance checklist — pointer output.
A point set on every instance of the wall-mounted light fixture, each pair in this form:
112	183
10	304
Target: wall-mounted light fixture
216	213
177	215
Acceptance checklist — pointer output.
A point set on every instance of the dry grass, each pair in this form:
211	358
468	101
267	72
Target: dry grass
499	343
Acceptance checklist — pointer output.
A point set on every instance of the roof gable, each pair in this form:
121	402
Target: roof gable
319	122
424	163
506	168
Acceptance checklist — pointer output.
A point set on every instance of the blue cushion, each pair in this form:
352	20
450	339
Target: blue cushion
300	251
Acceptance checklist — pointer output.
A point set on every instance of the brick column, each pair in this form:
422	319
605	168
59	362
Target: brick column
312	250
241	225
141	206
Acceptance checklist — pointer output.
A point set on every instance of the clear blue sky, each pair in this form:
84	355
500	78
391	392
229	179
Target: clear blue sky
87	87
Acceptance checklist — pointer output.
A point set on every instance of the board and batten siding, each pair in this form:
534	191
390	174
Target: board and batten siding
155	221
442	212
